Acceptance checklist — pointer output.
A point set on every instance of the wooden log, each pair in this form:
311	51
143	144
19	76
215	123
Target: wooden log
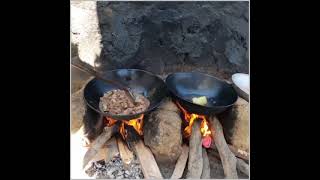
101	155
206	165
78	109
243	166
238	153
107	151
181	163
111	149
235	122
97	145
228	159
148	163
126	155
195	162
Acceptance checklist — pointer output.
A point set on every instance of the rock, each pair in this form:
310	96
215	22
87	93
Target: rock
82	115
120	173
77	110
78	79
110	172
120	177
235	122
235	53
162	133
166	169
168	105
111	176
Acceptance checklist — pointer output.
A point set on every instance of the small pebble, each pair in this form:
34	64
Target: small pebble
109	173
119	177
111	176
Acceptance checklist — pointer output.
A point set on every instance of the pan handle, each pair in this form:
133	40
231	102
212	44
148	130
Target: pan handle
92	72
97	75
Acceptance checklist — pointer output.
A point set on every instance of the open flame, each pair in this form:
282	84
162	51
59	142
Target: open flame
204	127
136	123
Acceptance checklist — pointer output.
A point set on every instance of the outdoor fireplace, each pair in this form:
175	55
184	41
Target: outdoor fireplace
198	129
130	130
207	134
169	141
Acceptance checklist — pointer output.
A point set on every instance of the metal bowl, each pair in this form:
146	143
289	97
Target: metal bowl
241	83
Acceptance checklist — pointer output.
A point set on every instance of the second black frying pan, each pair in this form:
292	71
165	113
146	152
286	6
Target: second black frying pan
139	81
185	86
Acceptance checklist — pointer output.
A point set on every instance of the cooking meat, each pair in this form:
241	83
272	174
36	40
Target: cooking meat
117	102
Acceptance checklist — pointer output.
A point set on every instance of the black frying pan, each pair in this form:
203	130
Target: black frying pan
139	81
184	86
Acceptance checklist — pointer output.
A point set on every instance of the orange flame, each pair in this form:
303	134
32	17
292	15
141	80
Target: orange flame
136	123
205	130
110	122
190	117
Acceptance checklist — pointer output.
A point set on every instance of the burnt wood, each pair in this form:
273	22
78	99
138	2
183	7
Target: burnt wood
195	162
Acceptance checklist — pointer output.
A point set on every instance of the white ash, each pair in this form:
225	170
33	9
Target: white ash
114	169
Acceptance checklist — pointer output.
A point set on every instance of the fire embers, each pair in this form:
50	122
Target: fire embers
207	135
126	126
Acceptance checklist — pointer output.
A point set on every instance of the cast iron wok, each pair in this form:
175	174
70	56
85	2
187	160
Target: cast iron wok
139	81
184	86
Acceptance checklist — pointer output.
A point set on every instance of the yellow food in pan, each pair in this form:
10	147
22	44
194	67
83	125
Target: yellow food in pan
200	100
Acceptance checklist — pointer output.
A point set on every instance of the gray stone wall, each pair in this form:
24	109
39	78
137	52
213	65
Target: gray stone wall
165	37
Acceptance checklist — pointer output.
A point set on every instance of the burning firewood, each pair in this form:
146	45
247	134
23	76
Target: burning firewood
126	155
107	152
228	159
181	163
195	162
206	165
97	145
148	163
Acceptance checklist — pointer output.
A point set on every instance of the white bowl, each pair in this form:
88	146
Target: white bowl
241	82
